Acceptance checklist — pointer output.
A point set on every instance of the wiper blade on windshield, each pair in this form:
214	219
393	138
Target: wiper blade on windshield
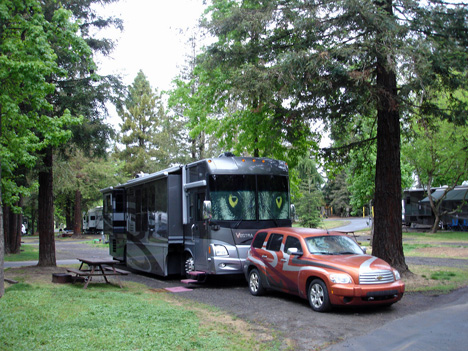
238	223
346	253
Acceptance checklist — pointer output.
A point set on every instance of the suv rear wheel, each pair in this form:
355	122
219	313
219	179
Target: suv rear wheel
255	283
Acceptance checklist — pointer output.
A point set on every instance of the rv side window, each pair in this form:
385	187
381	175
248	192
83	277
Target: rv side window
259	240
119	203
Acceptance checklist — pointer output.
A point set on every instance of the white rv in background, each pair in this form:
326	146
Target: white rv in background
93	221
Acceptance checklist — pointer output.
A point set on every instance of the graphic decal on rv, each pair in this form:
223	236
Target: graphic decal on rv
141	257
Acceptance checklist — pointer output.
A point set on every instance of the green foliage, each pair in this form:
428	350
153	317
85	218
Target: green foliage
438	152
309	200
278	66
27	61
337	195
89	175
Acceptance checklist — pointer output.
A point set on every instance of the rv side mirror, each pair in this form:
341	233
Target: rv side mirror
207	209
293	213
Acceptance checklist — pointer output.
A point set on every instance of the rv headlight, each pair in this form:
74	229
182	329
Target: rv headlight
220	250
397	274
341	278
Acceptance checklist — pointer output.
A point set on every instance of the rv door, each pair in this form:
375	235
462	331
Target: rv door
196	240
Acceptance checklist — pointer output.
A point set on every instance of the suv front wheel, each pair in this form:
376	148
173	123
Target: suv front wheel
318	296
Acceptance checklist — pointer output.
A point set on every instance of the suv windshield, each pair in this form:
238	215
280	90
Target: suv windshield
332	245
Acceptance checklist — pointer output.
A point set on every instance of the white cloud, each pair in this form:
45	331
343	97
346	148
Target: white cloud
151	40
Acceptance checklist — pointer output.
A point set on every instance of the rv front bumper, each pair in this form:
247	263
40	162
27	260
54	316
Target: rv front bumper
225	265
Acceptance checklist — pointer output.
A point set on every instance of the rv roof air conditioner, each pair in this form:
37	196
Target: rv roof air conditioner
227	154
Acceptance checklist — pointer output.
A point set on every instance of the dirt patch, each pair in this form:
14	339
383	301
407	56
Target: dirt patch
453	252
33	274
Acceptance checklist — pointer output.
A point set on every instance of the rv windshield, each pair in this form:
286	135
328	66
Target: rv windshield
273	199
233	197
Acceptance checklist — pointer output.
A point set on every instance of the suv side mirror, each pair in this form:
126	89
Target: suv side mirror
207	210
294	251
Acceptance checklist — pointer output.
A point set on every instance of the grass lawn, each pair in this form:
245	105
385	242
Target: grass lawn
36	314
28	253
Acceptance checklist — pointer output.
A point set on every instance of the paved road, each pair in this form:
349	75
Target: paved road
442	328
34	263
356	223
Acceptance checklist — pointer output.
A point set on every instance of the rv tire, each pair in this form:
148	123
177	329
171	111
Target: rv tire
189	264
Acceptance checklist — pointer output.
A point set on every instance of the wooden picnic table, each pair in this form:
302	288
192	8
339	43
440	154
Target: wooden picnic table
97	267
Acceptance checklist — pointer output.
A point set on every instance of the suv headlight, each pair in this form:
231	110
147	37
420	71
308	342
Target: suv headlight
220	250
397	274
341	279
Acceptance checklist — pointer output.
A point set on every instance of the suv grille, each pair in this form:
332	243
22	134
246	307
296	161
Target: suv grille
376	277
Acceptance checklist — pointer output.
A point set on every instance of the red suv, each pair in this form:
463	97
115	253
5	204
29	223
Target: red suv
327	268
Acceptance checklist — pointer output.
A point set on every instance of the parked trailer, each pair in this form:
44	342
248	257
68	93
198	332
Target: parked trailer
93	220
197	217
418	211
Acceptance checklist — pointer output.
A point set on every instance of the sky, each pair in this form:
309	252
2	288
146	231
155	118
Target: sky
151	40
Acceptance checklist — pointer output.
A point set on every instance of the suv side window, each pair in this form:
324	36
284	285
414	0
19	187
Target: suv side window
259	239
274	243
292	241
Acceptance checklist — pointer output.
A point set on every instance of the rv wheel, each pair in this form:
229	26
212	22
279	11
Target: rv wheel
189	265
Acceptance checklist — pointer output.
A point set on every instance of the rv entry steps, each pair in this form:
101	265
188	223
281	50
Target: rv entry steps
197	277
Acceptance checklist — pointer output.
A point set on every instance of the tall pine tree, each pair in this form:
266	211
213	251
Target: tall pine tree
292	62
148	136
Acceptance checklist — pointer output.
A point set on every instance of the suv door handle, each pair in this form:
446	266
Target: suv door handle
284	260
264	256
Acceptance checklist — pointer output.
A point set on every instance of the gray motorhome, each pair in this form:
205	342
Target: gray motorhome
197	217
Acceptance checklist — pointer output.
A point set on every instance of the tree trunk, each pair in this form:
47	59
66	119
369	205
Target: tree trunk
12	224
2	247
2	243
77	215
19	225
6	228
12	229
388	240
68	214
46	213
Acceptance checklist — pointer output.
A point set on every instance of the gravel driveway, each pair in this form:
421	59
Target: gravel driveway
284	315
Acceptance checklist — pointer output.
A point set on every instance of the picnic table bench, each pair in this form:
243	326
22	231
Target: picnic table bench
97	268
